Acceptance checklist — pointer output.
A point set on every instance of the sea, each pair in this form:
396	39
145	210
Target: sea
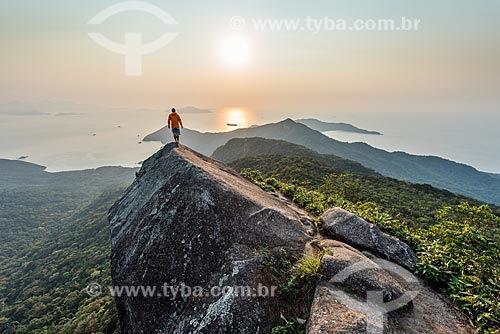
89	138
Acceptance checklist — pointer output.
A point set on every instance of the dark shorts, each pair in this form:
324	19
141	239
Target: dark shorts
176	132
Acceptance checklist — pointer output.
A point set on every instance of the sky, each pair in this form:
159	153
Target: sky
447	70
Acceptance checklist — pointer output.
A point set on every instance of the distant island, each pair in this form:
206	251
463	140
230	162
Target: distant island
326	126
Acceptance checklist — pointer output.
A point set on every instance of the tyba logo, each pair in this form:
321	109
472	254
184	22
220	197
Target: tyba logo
133	48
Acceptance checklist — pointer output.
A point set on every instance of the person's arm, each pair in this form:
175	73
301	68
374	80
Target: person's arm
168	121
180	121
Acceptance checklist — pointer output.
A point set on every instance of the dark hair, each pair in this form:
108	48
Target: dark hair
173	109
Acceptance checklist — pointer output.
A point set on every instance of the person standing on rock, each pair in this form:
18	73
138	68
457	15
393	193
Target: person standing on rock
174	121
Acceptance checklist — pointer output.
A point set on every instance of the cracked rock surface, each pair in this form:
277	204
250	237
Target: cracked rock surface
191	221
188	219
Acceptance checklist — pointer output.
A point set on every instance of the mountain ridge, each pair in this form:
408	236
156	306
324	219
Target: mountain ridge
416	203
439	172
321	126
14	174
238	148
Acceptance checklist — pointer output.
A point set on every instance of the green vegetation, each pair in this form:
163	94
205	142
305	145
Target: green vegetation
463	251
436	171
275	150
458	244
460	254
307	269
54	241
291	327
415	204
296	280
44	289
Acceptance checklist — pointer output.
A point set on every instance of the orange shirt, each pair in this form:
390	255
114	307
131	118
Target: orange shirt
175	119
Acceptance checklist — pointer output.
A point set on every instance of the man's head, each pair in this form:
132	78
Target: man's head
173	109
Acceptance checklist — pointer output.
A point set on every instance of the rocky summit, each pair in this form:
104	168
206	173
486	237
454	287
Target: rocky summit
202	250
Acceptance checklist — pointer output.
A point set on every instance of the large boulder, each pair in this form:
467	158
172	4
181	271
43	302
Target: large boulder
359	295
354	287
189	224
352	271
334	313
190	221
329	316
355	231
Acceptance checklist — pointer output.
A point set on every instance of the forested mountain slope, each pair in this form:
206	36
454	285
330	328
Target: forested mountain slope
439	172
54	241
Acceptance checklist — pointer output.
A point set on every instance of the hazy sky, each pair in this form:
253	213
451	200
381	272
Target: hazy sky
446	74
451	61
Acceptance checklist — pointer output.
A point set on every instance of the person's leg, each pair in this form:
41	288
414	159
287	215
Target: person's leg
174	132
178	135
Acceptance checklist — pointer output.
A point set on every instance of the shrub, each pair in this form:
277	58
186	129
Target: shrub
459	251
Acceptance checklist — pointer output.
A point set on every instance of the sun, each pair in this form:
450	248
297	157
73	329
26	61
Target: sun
236	117
235	51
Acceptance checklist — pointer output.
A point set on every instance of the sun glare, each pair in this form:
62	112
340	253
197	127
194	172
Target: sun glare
236	117
235	51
